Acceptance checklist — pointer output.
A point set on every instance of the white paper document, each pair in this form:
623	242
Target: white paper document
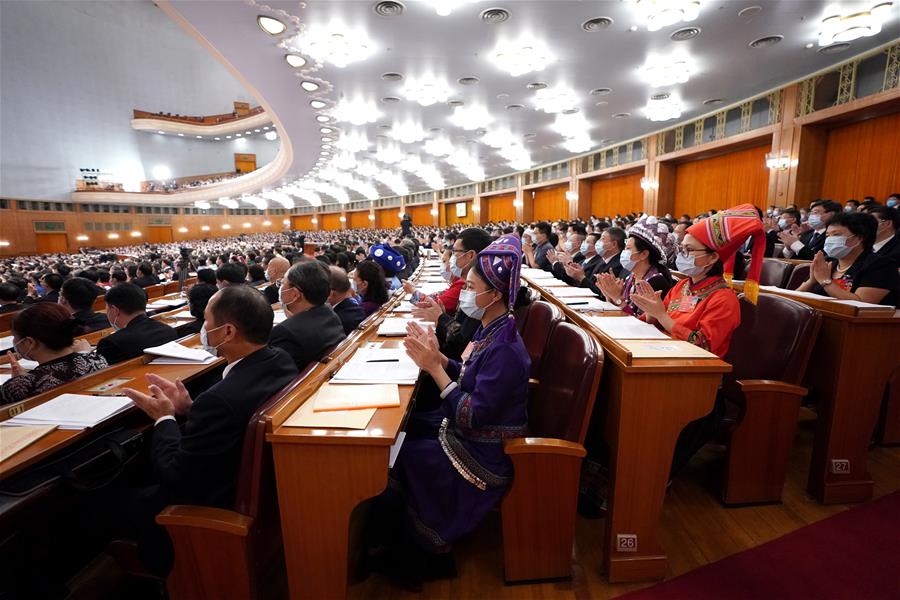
183	354
184	314
72	411
378	365
431	288
28	364
590	304
4	377
6	343
537	274
865	305
396	326
280	317
571	292
627	328
809	295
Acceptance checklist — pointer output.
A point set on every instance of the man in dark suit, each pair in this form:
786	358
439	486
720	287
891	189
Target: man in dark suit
9	298
52	283
342	300
197	460
809	243
126	306
887	242
145	277
611	244
77	296
312	328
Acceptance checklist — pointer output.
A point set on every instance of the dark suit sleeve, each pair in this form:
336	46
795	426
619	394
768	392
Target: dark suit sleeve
181	456
282	338
109	349
805	253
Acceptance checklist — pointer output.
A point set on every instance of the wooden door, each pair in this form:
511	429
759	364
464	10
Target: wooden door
302	223
244	163
51	243
550	204
160	235
618	195
331	221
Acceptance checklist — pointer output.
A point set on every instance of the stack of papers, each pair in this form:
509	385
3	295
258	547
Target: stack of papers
305	416
403	307
665	349
865	305
571	292
431	288
6	343
378	365
589	304
355	397
173	353
627	328
166	303
280	317
396	326
72	411
537	274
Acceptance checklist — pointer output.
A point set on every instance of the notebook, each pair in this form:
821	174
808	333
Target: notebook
184	314
72	411
335	419
627	328
173	351
378	365
665	349
15	439
355	397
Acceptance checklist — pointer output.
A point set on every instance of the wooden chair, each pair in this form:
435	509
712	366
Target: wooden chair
889	423
775	272
798	276
99	304
6	321
542	318
232	553
769	352
155	291
538	512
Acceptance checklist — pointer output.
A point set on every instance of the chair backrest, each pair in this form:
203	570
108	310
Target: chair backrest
774	340
541	320
560	405
255	474
798	276
154	291
775	272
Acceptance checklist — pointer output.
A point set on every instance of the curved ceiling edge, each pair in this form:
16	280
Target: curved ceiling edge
249	183
168	126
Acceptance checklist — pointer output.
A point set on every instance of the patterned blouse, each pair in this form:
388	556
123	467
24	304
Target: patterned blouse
49	375
705	313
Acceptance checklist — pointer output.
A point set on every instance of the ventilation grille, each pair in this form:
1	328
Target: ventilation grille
765	42
712	101
468	80
494	15
663	96
600	91
392	76
622	115
514	107
390	99
598	24
536	85
388	8
686	33
833	48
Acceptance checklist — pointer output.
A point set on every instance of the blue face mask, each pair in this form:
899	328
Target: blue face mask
584	248
468	306
814	221
625	260
836	246
687	265
892	203
598	248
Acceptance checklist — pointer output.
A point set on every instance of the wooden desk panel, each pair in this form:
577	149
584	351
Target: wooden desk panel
643	406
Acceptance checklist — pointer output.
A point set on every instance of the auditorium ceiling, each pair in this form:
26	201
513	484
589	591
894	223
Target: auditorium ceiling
387	98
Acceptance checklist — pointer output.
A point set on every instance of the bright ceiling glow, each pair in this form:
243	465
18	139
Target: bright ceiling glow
517	156
161	172
355	112
202	205
839	27
270	25
323	118
271	136
571	125
366	168
411	163
280	197
394	181
345	161
664	70
426	90
256	202
664	109
439	147
354	141
522	56
555	99
581	143
317	104
444	7
498	138
408	132
295	60
335	43
389	155
431	176
472	116
309	86
228	203
467	164
662	13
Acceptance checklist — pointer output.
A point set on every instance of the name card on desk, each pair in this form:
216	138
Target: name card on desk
627	328
665	349
786	292
537	274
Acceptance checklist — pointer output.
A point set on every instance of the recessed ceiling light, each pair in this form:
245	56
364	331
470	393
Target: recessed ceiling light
765	42
217	139
325	138
662	96
161	132
256	130
455	103
390	100
248	133
237	135
621	115
199	137
492	16
322	118
295	60
601	103
633	28
596	24
833	48
536	85
809	45
601	91
712	101
309	86
180	135
470	80
684	34
392	76
270	25
384	126
662	14
388	8
227	137
325	129
317	104
436	129
750	11
515	106
271	136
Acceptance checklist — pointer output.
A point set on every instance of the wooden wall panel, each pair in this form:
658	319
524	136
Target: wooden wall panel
358	219
863	159
550	204
450	218
386	218
159	235
617	195
500	208
51	243
302	222
722	181
421	215
331	221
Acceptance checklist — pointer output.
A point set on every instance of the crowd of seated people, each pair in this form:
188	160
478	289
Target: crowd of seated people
176	186
205	120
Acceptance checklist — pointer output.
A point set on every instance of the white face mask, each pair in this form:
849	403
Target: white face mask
568	246
814	220
204	339
625	260
584	248
20	352
284	304
687	265
469	307
836	246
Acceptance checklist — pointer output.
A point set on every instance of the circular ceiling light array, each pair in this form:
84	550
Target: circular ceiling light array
335	44
271	25
520	57
426	90
838	27
657	15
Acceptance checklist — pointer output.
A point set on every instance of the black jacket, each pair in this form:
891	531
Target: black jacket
197	462
129	342
307	335
145	280
613	266
812	243
891	250
350	313
89	321
11	307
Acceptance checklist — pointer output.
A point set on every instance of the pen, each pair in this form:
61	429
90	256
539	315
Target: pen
576	303
383	360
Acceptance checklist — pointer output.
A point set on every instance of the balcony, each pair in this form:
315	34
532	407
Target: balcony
241	119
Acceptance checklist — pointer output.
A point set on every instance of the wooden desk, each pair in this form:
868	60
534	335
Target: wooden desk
644	404
323	474
854	357
55	441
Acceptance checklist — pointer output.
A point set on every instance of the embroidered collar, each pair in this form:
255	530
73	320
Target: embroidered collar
706	286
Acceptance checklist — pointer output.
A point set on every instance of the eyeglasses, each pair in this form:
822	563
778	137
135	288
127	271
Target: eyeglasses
455	251
685	251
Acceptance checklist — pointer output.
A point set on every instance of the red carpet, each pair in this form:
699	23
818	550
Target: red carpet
854	555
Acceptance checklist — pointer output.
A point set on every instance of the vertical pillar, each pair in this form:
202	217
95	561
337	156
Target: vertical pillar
435	210
659	199
478	209
523	202
783	139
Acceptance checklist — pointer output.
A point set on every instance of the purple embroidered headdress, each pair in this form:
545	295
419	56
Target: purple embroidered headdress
500	264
